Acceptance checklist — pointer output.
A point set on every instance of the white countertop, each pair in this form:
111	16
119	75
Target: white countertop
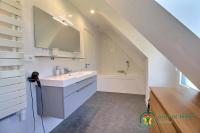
66	79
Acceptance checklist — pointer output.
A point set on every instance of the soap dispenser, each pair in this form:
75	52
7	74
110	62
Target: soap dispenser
57	70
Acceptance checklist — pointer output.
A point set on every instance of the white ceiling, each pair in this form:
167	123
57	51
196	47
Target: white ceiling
97	19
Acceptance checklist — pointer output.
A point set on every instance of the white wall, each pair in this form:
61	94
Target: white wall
45	65
161	71
113	58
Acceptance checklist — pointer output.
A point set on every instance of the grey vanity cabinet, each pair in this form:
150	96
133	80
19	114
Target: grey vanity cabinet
61	102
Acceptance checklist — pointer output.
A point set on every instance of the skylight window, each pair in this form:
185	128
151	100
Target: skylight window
184	81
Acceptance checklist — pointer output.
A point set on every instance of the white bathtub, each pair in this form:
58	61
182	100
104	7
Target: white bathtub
131	84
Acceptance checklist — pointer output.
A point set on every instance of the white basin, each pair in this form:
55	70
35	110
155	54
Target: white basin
66	79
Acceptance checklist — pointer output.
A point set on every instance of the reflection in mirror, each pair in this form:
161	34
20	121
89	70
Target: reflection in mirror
52	32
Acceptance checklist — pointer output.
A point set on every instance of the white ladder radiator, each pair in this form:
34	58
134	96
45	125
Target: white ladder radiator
12	75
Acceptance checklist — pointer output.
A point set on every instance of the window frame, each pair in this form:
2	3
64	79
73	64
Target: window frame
181	76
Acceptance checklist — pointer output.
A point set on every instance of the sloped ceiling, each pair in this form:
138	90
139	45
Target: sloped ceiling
186	11
107	19
165	32
101	22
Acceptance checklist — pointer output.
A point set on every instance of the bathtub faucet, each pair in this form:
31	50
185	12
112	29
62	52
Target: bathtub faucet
122	72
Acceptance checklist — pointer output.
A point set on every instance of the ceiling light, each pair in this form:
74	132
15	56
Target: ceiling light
92	11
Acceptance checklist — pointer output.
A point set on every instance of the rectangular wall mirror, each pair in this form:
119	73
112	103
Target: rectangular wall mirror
54	33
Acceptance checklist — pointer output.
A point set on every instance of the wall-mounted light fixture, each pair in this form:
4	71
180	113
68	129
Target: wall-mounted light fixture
60	20
63	20
66	20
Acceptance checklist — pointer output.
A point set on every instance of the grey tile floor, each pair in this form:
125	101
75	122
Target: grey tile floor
106	113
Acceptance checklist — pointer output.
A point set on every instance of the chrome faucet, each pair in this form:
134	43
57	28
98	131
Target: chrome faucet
62	70
86	66
57	70
66	70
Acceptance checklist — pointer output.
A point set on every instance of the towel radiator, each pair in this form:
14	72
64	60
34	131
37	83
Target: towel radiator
12	75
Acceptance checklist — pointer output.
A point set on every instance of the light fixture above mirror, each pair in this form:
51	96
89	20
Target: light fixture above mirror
60	20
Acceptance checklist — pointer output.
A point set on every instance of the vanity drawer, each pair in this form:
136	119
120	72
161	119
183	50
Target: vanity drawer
165	125
77	86
74	101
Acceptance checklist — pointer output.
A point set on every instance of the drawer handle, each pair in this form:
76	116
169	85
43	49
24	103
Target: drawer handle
79	81
82	88
82	81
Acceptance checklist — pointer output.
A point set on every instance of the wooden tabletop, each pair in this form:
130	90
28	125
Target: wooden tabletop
182	101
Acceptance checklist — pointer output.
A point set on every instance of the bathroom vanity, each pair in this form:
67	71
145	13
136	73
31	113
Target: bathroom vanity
62	95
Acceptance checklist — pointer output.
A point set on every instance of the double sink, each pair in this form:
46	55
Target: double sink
64	94
67	79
